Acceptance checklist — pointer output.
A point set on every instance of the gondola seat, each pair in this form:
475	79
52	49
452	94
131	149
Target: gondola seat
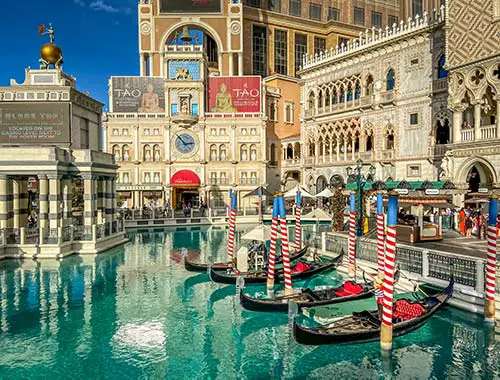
350	288
300	267
404	310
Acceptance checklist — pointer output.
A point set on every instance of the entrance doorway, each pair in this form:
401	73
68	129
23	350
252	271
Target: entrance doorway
185	195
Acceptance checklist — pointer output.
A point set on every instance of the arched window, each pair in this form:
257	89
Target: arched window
391	80
288	114
389	144
297	150
213	152
223	152
253	152
117	152
335	97
369	85
443	132
272	153
342	95
442	72
357	91
156	153
126	152
311	100
349	93
320	99
327	97
244	153
147	153
289	152
272	111
311	149
369	143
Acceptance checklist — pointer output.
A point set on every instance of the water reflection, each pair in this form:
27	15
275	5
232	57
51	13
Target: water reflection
135	312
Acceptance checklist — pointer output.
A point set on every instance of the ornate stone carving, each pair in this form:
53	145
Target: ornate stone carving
235	27
145	28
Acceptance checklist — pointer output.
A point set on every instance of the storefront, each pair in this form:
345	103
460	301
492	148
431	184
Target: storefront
138	196
185	188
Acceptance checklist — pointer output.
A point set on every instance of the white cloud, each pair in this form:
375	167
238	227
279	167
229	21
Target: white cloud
99	5
79	2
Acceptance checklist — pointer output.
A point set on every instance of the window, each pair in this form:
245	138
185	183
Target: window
288	112
414	62
343	41
174	110
442	72
115	131
391	80
125	132
280	51
274	5
117	153
413	171
315	11
223	152
414	119
319	45
416	8
156	153
244	153
377	20
253	153
213	152
359	16
389	143
259	48
300	50
156	177
296	8
333	14
126	152
272	109
147	153
253	3
391	20
272	151
84	134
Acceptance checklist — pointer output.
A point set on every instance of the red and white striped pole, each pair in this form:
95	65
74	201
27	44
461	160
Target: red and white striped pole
491	261
352	236
389	265
272	250
298	227
380	234
284	247
232	225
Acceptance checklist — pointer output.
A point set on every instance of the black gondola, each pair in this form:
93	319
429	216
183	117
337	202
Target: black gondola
201	267
348	291
260	277
365	326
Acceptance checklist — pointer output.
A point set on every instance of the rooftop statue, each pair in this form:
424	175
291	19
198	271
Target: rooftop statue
51	54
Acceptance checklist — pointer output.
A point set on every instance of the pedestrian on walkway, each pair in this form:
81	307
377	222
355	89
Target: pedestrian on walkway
468	226
461	221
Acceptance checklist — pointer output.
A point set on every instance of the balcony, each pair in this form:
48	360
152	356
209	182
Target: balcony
219	181
488	132
386	154
291	162
467	134
184	119
248	181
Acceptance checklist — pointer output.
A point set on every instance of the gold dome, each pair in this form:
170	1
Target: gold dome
51	53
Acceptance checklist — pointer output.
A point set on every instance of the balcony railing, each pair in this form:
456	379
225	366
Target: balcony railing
488	132
467	134
248	181
219	181
291	162
387	154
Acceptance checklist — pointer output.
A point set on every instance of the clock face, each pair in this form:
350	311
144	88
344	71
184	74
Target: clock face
184	143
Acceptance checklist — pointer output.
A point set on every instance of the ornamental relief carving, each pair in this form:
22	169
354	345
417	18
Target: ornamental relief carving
474	81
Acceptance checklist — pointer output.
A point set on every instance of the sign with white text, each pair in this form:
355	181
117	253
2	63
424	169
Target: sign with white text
234	94
138	94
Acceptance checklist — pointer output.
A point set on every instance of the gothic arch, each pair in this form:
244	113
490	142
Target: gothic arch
199	25
488	170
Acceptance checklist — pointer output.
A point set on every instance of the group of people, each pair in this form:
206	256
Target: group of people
474	223
257	248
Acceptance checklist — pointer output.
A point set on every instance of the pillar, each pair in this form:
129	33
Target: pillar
457	125
352	236
100	201
55	199
231	64
89	199
3	201
497	119
338	150
345	150
136	143
43	201
234	147
23	202
491	261
240	64
353	143
166	143
108	199
477	120
331	149
67	212
15	202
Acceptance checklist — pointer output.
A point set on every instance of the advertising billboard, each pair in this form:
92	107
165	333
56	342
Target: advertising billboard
34	123
138	94
234	94
190	6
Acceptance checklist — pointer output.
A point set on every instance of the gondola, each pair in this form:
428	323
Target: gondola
364	326
260	277
348	291
202	267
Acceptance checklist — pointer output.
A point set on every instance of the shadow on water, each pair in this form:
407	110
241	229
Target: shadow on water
186	290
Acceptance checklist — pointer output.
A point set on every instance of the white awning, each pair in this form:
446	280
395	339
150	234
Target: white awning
326	193
293	193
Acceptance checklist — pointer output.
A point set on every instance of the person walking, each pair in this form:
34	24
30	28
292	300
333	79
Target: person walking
461	221
468	226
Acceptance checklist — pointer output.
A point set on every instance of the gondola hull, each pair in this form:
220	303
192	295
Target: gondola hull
369	326
193	266
260	277
281	303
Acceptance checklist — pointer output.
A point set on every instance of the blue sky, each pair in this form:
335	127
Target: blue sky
98	39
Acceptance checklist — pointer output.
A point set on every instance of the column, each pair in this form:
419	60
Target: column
141	63
316	152
477	120
136	143
231	64
67	212
352	150
89	200
457	125
43	201
113	199
108	199
331	150
338	149
100	202
233	139
345	150
23	202
3	201
15	202
166	142
240	64
497	119
55	199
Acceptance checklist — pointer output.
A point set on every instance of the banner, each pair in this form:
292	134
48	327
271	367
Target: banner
234	94
190	6
138	94
34	123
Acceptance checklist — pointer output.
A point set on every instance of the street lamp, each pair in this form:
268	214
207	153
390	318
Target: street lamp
360	183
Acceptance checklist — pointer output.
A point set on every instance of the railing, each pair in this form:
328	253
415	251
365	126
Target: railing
51	237
67	233
82	233
219	181
387	154
439	84
467	134
12	236
438	150
248	181
366	156
291	162
488	132
388	95
309	160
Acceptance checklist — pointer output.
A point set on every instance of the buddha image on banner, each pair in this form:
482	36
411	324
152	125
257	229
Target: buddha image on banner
138	94
234	94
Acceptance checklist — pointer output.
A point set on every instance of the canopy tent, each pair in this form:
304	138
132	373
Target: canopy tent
255	192
293	193
410	185
259	233
318	214
326	193
477	200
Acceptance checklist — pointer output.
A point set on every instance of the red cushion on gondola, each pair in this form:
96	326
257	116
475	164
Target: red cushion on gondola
342	293
405	310
352	288
300	267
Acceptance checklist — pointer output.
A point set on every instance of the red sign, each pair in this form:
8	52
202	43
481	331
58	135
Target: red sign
185	177
234	94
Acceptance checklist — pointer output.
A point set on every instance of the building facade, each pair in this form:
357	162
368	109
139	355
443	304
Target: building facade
472	157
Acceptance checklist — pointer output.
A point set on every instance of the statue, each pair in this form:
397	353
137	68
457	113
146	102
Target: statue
223	101
184	106
183	74
157	155
150	101
51	54
446	166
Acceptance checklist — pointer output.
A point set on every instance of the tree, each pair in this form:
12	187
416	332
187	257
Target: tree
338	208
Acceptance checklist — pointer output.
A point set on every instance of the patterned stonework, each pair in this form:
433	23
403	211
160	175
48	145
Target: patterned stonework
471	32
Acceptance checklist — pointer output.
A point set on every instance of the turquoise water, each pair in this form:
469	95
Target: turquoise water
135	313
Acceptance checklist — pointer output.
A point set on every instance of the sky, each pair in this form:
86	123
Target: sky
98	39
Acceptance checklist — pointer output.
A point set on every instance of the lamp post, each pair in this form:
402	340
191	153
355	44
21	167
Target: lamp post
360	183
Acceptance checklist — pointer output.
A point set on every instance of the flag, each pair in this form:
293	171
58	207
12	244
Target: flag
41	29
